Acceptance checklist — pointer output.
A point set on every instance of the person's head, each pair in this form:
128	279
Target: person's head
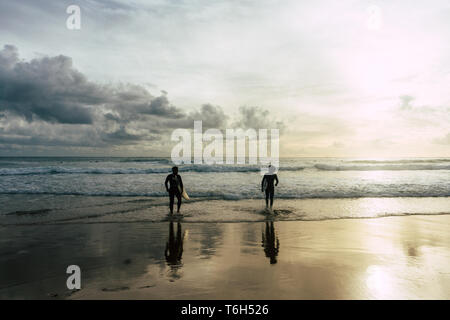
271	169
175	170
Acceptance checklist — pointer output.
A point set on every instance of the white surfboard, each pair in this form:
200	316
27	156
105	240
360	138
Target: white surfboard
184	194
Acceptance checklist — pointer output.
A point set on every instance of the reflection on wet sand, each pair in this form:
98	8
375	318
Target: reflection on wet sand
174	250
386	258
270	242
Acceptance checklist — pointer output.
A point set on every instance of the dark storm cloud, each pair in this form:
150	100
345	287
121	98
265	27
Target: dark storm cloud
50	89
61	107
211	117
47	102
161	106
42	134
121	135
127	103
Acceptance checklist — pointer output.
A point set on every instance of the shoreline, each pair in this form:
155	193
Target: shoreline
86	210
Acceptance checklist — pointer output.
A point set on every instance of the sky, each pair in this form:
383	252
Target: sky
338	78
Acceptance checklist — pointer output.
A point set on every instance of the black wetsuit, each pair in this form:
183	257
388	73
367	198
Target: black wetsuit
270	188
175	188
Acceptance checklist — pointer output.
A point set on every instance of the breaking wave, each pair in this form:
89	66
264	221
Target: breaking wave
381	167
74	170
214	195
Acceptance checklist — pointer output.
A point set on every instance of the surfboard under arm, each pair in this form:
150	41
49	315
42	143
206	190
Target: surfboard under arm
184	194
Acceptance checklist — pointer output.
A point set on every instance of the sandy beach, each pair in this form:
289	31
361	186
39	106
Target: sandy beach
380	258
224	150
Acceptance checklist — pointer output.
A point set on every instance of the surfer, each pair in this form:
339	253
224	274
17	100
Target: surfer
267	185
174	186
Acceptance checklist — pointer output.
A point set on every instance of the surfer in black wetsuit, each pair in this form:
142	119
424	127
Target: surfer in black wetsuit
267	185
174	186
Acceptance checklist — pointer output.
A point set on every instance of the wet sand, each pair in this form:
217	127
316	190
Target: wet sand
382	258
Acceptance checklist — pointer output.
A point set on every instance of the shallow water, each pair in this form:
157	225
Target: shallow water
45	209
34	190
386	258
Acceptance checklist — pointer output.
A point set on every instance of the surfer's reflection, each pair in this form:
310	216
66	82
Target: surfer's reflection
174	246
270	242
174	249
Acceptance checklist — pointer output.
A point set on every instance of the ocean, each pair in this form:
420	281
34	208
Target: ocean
43	186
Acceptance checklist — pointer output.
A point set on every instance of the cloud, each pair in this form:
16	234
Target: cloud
47	102
405	102
443	140
257	118
52	90
122	135
48	89
211	117
16	131
421	116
